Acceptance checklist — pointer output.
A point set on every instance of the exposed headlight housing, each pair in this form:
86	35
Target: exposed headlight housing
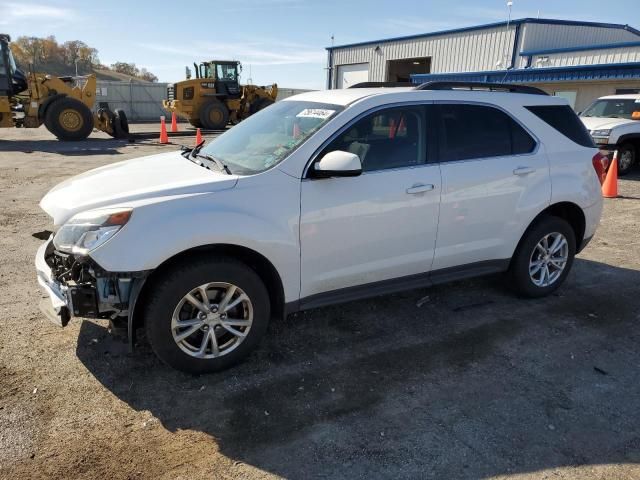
86	231
601	133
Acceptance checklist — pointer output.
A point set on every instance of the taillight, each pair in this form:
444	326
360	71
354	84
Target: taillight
601	164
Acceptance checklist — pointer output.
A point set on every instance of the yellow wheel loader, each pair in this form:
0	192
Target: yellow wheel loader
215	97
63	104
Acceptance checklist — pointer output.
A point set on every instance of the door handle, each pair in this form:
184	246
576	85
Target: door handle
523	171
420	188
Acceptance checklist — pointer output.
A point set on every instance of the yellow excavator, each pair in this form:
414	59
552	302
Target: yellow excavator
62	104
215	97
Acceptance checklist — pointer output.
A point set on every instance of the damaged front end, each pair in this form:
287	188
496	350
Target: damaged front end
78	287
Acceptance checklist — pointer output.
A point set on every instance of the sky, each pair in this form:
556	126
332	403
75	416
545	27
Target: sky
281	41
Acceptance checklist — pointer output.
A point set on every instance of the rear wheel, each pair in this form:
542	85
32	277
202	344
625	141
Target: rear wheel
626	158
543	258
214	115
69	119
206	315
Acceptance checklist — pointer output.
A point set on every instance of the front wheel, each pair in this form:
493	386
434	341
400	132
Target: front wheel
69	119
544	257
214	115
206	315
626	158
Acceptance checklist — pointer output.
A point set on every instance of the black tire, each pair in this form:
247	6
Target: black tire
519	278
69	119
214	115
121	124
260	105
626	158
168	291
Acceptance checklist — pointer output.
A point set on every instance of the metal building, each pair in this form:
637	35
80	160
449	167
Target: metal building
577	60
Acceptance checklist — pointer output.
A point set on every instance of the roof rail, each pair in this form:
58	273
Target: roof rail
382	84
492	87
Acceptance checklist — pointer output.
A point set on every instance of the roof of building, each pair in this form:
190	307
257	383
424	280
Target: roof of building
546	21
615	71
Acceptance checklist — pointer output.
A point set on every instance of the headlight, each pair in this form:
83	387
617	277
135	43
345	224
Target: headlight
88	230
601	133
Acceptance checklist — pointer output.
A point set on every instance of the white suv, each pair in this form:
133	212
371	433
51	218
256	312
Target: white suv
613	123
322	198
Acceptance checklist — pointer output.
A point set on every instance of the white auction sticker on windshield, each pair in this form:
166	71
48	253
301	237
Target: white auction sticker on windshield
315	113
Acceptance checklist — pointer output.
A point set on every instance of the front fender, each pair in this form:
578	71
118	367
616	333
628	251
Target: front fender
256	215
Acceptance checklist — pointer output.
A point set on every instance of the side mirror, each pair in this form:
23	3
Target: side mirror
337	164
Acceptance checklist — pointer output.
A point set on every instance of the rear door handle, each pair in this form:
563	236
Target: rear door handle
523	171
420	188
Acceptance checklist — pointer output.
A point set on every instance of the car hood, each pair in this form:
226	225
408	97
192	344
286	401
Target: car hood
601	123
164	175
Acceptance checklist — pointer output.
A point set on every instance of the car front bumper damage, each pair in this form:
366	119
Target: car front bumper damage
78	287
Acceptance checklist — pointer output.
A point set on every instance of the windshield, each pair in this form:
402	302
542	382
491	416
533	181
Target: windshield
227	71
269	136
613	108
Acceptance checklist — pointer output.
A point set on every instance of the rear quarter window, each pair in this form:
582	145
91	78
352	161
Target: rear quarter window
563	119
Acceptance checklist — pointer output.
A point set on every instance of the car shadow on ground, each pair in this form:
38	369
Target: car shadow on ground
90	146
457	381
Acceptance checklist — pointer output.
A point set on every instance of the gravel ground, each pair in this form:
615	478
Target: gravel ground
459	381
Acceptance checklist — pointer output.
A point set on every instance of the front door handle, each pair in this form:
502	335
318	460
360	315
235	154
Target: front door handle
523	171
420	188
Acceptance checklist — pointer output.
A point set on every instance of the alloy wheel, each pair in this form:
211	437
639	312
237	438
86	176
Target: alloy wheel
212	320
548	259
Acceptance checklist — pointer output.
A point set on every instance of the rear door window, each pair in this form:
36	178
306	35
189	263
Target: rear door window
477	131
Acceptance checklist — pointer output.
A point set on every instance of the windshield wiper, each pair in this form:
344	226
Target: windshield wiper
213	159
187	152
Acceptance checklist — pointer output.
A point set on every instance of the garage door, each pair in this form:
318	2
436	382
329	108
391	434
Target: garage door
349	75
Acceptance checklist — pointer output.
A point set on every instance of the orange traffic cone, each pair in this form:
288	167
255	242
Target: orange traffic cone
392	128
610	185
174	122
296	130
198	137
164	138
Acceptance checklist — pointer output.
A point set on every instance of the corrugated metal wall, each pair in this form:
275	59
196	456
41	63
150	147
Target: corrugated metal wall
587	57
140	101
481	50
469	51
143	101
539	36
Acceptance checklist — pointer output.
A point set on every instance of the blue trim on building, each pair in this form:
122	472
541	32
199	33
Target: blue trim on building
615	71
492	25
602	46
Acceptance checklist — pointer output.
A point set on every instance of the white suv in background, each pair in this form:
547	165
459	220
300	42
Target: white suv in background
613	122
322	198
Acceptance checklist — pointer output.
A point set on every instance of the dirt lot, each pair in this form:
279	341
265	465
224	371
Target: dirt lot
467	382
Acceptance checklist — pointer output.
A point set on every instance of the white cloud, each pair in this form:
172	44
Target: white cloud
248	52
13	12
